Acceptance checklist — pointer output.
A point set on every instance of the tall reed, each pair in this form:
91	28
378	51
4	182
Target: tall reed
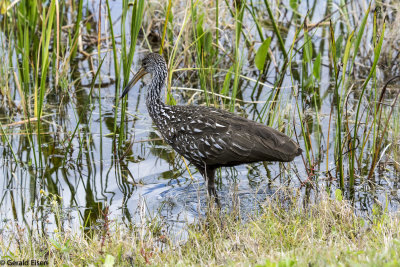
127	55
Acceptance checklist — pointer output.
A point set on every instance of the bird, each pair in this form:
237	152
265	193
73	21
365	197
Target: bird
208	137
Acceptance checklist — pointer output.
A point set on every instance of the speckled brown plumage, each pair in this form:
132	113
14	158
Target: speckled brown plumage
210	138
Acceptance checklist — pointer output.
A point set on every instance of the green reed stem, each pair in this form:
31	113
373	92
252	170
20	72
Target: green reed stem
359	37
116	66
216	25
199	36
77	29
258	26
377	52
338	151
47	26
165	26
100	80
239	8
276	29
127	57
374	36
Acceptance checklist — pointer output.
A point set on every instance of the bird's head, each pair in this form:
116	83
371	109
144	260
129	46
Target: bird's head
152	63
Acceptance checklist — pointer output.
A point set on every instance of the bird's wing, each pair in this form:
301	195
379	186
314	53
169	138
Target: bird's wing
217	137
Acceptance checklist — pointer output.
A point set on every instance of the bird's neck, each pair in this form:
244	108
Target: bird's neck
154	102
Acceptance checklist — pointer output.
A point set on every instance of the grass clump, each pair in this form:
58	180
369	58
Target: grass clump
325	233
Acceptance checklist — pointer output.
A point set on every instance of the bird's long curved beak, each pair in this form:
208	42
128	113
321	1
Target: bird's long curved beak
134	80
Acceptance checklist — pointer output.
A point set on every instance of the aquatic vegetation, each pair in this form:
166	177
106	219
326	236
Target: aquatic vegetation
323	72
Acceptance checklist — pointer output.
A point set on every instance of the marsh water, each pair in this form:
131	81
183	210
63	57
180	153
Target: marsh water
79	168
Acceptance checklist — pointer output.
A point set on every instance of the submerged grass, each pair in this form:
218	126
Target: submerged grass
325	233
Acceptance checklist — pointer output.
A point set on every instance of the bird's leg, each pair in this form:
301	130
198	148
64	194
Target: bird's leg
209	175
210	178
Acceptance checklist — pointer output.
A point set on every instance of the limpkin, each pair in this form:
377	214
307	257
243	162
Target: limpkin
207	137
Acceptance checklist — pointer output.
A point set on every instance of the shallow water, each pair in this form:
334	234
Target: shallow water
152	178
